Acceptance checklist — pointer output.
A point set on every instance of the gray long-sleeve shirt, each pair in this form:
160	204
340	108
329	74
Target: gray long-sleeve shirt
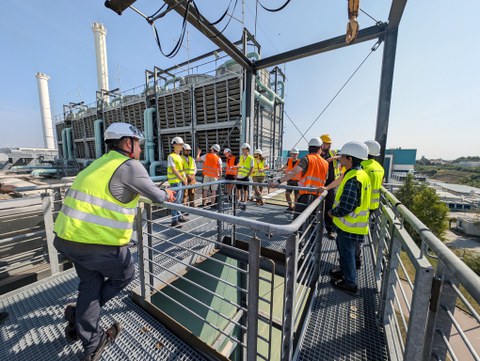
130	179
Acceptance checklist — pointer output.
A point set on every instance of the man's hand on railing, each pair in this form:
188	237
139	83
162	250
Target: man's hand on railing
320	190
170	194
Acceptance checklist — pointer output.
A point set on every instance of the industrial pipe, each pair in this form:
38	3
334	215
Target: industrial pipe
153	168
148	127
64	143
98	125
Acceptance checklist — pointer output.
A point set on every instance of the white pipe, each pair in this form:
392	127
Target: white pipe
46	112
100	34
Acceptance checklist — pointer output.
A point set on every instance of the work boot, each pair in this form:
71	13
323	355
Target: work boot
289	209
175	224
182	220
108	338
331	235
70	330
344	286
336	273
358	263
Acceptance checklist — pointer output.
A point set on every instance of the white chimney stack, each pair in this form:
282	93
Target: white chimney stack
48	138
100	34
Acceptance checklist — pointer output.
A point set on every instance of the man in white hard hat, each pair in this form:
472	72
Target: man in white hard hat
212	172
190	172
331	157
313	172
350	214
230	171
93	229
245	169
292	162
258	175
176	177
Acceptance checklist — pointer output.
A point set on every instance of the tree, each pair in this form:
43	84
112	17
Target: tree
425	204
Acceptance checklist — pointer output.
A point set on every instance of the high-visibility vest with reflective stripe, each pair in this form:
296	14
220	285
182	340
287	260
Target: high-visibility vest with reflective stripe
230	169
211	166
257	165
376	172
336	168
290	166
316	174
244	165
355	222
179	166
189	165
90	213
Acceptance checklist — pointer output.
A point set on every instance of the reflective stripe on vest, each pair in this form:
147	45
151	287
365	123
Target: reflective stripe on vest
244	166
316	173
178	161
290	166
257	165
90	214
355	222
211	168
376	173
230	169
189	165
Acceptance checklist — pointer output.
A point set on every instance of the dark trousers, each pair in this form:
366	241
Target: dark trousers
103	271
346	250
329	199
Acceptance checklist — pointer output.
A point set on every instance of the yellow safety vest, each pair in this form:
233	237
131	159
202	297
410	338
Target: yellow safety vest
258	164
179	166
244	165
355	222
336	167
376	172
90	213
189	165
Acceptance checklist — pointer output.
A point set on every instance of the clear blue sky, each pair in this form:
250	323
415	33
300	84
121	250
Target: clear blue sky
436	86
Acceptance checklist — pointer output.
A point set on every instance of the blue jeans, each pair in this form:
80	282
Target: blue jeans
346	249
178	200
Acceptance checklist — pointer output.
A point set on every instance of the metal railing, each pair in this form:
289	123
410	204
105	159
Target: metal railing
419	284
168	254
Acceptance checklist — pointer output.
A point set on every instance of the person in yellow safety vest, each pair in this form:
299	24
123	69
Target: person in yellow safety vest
350	215
245	170
375	171
313	169
212	172
231	171
93	229
176	177
292	162
331	157
190	171
258	175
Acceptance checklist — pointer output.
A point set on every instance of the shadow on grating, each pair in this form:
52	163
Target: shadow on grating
342	327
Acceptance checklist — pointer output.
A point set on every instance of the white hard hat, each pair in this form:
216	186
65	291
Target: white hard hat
187	147
120	130
258	151
315	142
373	147
355	149
177	140
227	150
215	147
294	151
246	146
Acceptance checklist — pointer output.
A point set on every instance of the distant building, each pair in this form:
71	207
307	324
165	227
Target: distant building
400	161
469	225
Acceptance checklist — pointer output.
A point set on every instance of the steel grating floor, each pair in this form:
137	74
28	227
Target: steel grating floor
342	327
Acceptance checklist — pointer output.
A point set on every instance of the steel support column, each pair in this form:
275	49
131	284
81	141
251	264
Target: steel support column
249	107
386	84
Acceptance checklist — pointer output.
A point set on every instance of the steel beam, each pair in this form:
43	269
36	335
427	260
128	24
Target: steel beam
386	84
338	42
202	25
396	12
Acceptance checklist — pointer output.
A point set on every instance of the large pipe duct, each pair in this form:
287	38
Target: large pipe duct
100	34
46	112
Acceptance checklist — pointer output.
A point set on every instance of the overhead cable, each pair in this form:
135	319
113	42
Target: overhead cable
374	47
274	10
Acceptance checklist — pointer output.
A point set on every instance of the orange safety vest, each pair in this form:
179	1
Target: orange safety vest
211	168
316	174
231	170
290	166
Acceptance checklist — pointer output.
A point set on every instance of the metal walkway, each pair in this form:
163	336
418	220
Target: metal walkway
340	327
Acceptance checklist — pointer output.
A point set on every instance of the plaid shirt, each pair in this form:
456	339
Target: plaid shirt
350	199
